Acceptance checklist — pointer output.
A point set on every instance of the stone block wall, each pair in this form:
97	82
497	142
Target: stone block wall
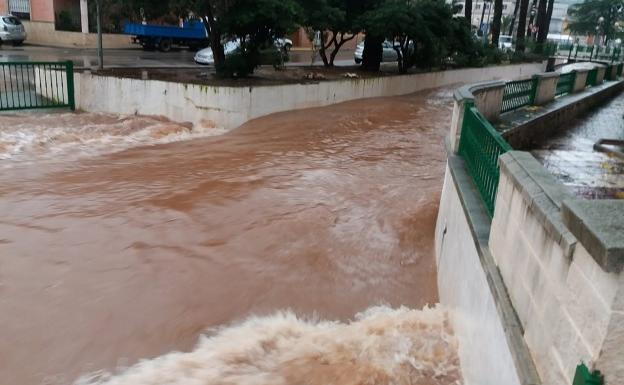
564	299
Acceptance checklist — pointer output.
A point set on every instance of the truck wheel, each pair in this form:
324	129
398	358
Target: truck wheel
17	43
164	45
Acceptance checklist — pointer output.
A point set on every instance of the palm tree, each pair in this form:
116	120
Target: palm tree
524	8
468	11
513	18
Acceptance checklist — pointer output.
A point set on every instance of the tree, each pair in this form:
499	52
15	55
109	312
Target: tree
468	11
373	50
542	24
496	23
506	23
256	24
586	17
514	17
416	28
336	21
549	12
210	12
520	44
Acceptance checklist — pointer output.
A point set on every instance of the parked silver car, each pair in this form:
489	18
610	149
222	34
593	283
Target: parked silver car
389	53
11	30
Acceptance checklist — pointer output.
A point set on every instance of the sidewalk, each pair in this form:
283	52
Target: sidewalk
570	155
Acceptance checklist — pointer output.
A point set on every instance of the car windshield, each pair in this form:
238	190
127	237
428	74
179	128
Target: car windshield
11	20
505	39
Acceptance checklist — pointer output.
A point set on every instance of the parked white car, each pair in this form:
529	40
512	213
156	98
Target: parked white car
284	43
206	56
505	42
389	53
11	30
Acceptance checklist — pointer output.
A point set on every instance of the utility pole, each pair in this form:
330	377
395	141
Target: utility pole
100	48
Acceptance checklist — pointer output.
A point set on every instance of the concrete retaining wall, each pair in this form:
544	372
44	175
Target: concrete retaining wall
44	33
229	107
463	286
554	264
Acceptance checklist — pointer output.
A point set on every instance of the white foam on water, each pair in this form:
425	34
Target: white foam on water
41	136
381	346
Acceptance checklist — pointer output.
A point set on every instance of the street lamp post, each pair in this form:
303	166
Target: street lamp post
532	21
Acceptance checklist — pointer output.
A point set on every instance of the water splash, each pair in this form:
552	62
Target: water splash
38	136
381	346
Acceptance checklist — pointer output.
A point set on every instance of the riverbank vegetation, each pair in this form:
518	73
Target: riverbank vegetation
425	34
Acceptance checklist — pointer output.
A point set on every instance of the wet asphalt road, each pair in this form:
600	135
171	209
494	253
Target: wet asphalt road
132	57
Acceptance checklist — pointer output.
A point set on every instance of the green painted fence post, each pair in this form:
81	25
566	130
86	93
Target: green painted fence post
584	377
69	74
534	86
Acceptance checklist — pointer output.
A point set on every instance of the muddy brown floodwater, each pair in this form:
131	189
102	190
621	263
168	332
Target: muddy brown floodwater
110	258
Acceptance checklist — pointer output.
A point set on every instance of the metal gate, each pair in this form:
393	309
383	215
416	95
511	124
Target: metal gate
36	85
19	6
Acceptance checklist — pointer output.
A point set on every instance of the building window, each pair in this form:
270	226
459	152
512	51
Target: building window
478	6
20	8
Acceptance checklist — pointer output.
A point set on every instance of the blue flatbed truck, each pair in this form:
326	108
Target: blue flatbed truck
192	34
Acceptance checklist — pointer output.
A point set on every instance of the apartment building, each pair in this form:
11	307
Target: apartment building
39	17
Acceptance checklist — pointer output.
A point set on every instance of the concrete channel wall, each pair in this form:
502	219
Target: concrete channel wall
486	341
229	107
539	288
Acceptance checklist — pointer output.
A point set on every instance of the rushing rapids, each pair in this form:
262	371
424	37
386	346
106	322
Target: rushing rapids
127	238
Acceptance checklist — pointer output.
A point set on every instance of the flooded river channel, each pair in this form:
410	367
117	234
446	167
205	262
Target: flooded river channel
127	238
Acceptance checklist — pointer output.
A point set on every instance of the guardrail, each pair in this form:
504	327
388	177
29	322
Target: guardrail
477	141
518	94
36	85
565	84
592	75
591	52
480	146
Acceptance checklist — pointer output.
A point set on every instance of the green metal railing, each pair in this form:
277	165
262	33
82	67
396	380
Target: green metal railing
583	376
565	84
36	85
609	73
480	146
592	76
518	94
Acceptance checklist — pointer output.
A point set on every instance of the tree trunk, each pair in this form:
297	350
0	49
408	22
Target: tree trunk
496	23
373	53
542	22
468	12
520	43
324	47
338	45
214	35
514	17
